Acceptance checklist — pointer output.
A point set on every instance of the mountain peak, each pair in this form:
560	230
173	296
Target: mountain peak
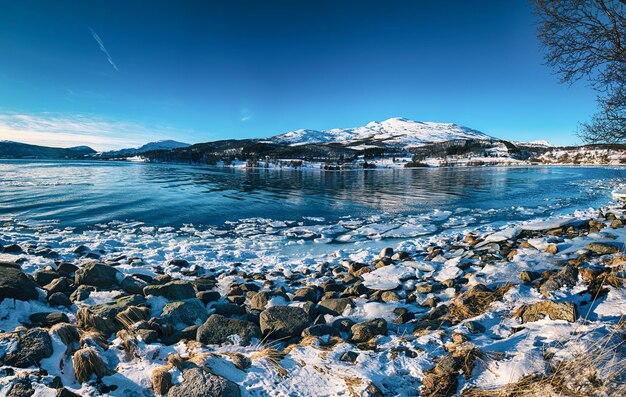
395	131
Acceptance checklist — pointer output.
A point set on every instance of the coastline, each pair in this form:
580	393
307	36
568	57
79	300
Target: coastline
414	311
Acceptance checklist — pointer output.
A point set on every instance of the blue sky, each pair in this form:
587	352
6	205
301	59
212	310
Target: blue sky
113	74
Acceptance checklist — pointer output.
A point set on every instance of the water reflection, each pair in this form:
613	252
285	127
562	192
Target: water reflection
88	192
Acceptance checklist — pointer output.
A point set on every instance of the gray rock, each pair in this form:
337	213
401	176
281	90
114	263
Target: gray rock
217	330
602	248
349	357
60	284
386	253
200	383
260	300
228	309
182	314
320	330
59	299
97	274
14	284
46	276
208	296
566	277
33	346
132	285
555	311
283	321
305	294
334	306
174	290
362	332
529	276
48	319
474	327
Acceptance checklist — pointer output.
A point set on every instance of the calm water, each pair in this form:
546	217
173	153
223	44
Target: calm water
80	193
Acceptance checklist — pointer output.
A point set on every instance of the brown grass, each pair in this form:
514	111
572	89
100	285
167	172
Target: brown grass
132	315
86	363
161	380
273	356
68	334
475	302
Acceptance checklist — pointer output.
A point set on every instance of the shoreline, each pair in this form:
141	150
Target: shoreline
413	312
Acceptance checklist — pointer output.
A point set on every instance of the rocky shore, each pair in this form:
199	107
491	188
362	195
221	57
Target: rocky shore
528	309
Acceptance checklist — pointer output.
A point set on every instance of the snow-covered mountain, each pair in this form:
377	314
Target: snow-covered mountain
540	143
396	131
148	147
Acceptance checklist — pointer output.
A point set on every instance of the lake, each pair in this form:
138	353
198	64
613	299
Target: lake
83	193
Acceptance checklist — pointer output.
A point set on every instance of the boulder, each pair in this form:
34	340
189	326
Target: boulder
98	275
14	284
174	290
32	346
283	321
566	277
200	383
334	306
260	300
362	332
217	330
102	317
602	248
48	319
555	311
182	314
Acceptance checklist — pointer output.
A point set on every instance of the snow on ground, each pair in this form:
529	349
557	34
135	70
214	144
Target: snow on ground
401	359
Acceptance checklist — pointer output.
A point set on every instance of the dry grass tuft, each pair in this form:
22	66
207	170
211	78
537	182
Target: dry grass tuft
132	315
161	380
86	363
596	370
93	338
175	360
475	302
68	334
273	356
129	342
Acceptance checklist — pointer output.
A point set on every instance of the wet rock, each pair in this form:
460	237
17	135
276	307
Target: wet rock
182	314
217	330
14	284
566	277
334	306
200	383
173	290
283	321
48	319
362	332
98	275
33	346
602	248
555	311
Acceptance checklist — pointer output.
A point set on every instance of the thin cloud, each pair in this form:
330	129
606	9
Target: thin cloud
245	114
103	48
76	130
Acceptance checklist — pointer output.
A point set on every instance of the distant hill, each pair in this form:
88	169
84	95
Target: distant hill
10	149
148	147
